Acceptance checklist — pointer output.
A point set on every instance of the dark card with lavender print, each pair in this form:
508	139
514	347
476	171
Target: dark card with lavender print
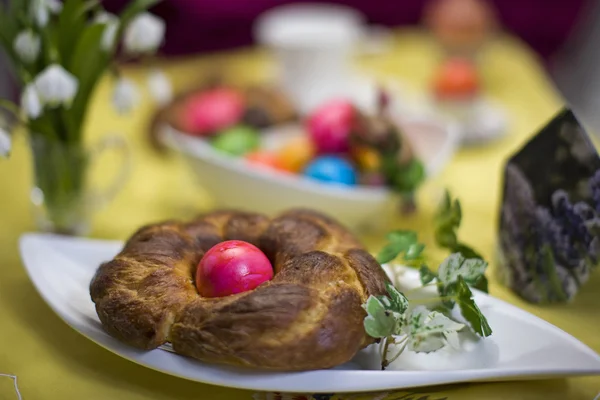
549	228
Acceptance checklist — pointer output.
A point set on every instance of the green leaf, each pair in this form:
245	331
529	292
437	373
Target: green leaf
379	328
472	269
447	221
456	265
446	203
470	311
402	236
407	178
400	242
389	252
414	251
456	212
482	284
399	300
380	322
426	274
447	271
71	22
466	251
445	238
88	64
428	330
374	306
385	301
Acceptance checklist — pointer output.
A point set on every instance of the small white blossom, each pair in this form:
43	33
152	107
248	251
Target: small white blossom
5	142
27	46
111	23
160	87
430	330
125	96
56	86
41	10
144	34
30	102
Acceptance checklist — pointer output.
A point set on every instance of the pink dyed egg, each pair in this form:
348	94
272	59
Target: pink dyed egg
230	267
211	111
329	126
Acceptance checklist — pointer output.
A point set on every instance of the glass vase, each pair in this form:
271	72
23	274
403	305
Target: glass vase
62	198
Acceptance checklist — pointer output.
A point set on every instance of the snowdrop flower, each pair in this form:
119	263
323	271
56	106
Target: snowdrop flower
5	142
41	10
160	87
144	34
27	46
110	31
56	86
125	96
30	102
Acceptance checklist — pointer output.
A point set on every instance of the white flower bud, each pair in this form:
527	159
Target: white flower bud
5	142
144	34
55	6
30	102
125	96
160	87
56	86
41	10
27	46
111	23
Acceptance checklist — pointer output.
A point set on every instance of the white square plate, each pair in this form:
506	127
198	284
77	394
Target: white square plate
521	347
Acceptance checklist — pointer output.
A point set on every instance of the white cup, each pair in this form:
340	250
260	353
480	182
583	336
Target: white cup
312	45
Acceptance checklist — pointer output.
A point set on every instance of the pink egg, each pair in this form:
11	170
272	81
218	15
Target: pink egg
211	111
230	267
329	126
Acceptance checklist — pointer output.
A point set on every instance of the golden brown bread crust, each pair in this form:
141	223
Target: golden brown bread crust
309	316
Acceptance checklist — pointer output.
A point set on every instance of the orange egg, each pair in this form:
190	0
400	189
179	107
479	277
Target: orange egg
264	159
296	153
367	159
456	78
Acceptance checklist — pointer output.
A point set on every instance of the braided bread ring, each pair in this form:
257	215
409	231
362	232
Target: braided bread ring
309	316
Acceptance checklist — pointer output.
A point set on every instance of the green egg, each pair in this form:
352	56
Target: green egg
237	141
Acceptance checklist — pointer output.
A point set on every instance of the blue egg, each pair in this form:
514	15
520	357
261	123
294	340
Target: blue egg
331	169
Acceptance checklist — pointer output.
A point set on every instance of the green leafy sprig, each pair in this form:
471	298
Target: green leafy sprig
456	275
447	222
421	330
391	319
402	242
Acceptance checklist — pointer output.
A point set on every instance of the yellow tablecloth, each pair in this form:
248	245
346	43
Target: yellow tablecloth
54	362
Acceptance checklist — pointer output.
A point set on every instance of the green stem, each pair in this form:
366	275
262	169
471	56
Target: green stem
60	175
12	107
386	346
382	347
404	342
